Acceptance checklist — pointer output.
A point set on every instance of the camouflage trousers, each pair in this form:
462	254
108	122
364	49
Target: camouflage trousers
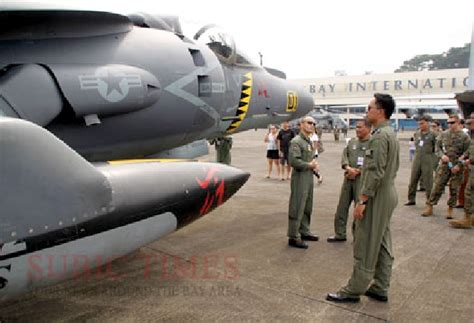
443	176
468	194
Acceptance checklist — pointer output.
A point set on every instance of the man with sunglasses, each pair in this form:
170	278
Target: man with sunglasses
468	160
451	144
301	157
377	200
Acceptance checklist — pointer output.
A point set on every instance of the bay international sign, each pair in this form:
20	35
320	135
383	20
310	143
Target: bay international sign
359	89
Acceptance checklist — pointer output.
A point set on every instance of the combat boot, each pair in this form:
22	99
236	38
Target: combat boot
428	211
466	223
449	215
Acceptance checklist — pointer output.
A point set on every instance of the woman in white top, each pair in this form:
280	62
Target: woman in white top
273	156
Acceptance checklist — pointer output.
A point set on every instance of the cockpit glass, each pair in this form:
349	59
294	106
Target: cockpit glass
219	42
222	44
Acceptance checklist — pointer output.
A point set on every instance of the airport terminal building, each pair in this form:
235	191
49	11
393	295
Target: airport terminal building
430	91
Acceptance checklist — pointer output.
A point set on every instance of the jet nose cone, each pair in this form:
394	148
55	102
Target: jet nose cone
234	179
213	185
188	190
218	183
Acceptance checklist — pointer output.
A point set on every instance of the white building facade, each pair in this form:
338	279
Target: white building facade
350	93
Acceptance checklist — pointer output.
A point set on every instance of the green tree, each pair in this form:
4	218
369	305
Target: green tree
455	57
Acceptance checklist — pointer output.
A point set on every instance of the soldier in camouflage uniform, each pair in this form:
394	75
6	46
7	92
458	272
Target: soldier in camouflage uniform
422	166
301	157
468	159
373	255
336	131
352	161
451	144
319	131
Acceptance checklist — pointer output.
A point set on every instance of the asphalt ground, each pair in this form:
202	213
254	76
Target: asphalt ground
235	264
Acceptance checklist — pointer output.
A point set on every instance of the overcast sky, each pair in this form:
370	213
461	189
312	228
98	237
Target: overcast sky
309	38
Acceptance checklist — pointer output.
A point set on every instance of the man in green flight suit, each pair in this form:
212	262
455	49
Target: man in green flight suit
451	144
352	161
223	146
422	166
301	157
468	159
373	255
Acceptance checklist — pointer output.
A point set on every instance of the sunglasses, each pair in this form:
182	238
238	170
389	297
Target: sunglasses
310	122
451	122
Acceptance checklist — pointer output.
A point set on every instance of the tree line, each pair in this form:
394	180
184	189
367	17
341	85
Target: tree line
455	57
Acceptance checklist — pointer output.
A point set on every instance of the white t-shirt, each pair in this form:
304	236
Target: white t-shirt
272	142
411	144
315	139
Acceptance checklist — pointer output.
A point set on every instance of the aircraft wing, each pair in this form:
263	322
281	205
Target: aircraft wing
55	204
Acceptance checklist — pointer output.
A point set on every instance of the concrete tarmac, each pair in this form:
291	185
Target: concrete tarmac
235	264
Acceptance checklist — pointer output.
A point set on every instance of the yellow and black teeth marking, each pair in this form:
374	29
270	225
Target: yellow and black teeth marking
244	102
291	101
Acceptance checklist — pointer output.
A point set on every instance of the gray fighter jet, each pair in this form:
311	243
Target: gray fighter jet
112	86
78	87
328	120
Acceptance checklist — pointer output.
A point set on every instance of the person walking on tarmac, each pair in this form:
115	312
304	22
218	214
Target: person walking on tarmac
337	132
273	156
451	144
468	159
223	146
283	139
373	255
422	166
352	162
301	156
